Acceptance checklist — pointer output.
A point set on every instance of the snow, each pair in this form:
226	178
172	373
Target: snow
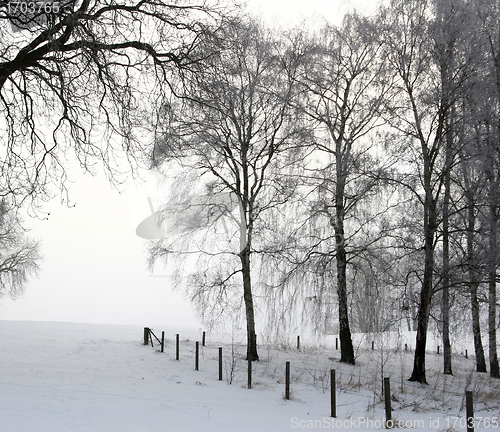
86	377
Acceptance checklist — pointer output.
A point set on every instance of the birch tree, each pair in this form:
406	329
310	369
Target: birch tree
491	31
419	114
473	186
234	127
342	81
469	178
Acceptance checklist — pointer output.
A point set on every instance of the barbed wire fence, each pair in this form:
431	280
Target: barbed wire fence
311	363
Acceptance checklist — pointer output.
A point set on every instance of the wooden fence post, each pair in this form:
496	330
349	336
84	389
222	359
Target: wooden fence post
298	343
197	354
333	395
469	407
162	341
287	380
438	349
220	363
466	356
203	339
373	345
336	344
146	335
388	410
177	346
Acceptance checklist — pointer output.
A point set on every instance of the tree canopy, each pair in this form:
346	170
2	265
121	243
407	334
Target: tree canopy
81	81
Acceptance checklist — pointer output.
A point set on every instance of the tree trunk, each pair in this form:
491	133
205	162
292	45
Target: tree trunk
446	312
418	373
346	347
446	46
473	286
446	254
492	270
492	295
249	308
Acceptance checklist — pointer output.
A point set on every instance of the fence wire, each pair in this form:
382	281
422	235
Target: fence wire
365	379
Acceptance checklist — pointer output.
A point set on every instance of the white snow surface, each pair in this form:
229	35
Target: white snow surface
65	377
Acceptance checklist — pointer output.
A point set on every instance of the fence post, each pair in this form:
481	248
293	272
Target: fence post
197	354
249	372
177	346
298	343
220	363
162	341
333	394
146	335
203	339
287	380
469	407
466	356
336	344
438	349
388	410
373	345
406	347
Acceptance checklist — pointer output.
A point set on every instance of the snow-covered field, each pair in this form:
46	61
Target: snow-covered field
64	377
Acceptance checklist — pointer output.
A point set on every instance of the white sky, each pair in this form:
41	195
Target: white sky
94	268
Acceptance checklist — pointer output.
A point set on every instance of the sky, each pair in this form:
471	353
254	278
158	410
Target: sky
94	268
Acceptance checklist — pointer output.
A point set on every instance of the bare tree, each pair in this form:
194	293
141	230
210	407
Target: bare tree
80	79
343	84
470	181
322	236
419	113
488	14
491	168
430	53
472	186
446	39
235	128
480	163
19	255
